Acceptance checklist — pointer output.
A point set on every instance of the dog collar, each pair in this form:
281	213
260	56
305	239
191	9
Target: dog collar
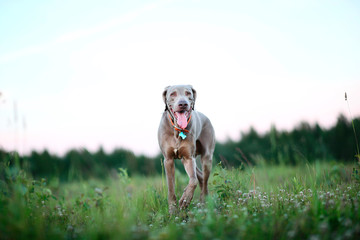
181	134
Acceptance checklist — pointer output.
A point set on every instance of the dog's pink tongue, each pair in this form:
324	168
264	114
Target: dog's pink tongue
181	120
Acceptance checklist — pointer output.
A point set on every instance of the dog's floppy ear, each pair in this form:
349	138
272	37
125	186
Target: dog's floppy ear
195	95
164	96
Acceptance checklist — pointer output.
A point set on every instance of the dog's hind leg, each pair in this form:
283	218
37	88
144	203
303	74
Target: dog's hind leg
206	162
200	177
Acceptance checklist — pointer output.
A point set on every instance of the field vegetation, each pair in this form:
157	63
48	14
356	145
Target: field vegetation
311	201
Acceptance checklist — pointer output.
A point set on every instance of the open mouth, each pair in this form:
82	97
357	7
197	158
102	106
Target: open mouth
181	118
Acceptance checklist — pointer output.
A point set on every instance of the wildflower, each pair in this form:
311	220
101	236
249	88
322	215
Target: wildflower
323	227
99	191
291	234
348	234
347	222
314	237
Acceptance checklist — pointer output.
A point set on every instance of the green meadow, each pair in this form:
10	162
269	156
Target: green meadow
317	200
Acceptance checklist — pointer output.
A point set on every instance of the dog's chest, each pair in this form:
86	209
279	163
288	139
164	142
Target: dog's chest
176	153
181	148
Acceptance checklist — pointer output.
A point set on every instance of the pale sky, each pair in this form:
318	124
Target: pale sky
91	73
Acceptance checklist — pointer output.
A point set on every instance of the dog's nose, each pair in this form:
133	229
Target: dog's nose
183	104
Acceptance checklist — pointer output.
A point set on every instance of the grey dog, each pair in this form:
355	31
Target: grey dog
183	134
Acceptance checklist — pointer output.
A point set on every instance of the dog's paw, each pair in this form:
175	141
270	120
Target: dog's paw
185	200
172	209
203	196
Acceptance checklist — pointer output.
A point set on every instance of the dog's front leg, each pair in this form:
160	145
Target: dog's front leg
170	177
190	168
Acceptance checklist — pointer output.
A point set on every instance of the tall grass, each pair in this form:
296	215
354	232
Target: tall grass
356	170
353	127
313	201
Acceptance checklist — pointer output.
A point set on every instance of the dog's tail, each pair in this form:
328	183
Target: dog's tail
199	175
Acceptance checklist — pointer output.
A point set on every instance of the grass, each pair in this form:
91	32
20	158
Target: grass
353	127
313	201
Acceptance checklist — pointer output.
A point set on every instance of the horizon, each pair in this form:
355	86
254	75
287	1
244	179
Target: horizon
263	133
90	74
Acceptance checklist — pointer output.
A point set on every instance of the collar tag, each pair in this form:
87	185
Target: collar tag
182	135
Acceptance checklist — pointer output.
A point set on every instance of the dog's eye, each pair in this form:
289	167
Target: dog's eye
188	93
173	94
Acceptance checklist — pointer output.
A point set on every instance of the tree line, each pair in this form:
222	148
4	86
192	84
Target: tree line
304	143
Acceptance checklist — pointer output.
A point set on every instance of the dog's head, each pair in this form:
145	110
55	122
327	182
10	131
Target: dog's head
180	101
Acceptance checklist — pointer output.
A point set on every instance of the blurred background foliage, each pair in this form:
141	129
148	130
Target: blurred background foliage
304	144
